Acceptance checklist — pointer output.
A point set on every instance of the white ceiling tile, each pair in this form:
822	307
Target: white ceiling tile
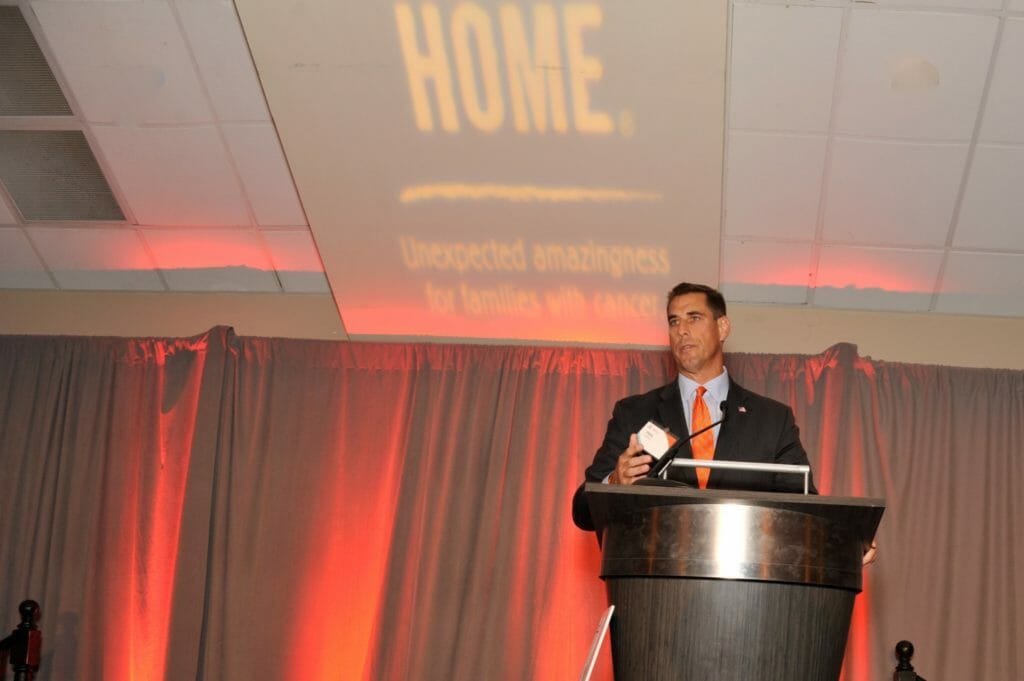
983	283
94	258
773	183
782	66
1016	6
225	65
212	260
913	75
859	278
992	214
756	271
125	62
892	192
175	176
265	174
6	214
297	261
19	266
1004	110
945	4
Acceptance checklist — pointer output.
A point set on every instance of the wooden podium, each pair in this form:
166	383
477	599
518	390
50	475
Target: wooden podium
715	585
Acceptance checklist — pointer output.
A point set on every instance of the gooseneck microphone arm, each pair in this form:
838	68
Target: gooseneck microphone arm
661	464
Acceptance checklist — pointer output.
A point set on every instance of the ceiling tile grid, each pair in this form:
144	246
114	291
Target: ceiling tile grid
223	60
265	175
170	100
914	88
898	193
983	284
96	259
773	183
212	259
971	5
874	151
853	277
296	260
20	267
913	75
992	214
125	62
758	271
179	176
1003	121
791	89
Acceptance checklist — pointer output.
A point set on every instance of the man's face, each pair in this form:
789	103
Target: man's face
696	336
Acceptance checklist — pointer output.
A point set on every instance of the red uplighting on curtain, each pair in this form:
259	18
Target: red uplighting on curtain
221	508
142	520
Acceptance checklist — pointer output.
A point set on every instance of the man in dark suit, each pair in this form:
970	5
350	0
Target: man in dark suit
757	429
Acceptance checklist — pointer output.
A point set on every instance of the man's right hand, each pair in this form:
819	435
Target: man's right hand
631	467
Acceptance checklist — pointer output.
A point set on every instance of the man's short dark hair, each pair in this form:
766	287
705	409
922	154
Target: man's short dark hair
716	301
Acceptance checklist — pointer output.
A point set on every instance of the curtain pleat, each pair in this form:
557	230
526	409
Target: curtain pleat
221	508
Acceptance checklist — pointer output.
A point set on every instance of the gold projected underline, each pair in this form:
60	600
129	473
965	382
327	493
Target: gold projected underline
521	193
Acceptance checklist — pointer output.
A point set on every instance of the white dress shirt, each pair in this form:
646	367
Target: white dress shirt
717	392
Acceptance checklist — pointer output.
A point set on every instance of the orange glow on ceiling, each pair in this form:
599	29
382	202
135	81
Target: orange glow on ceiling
870	274
522	193
186	251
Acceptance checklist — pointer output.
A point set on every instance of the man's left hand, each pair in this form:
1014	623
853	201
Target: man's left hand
871	553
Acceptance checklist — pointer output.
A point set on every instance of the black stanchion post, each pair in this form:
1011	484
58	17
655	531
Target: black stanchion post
25	643
905	670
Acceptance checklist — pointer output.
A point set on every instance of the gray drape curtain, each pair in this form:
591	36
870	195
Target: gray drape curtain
223	508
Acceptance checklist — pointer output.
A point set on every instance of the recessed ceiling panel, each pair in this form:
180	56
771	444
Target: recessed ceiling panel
783	66
487	169
773	184
892	192
992	214
876	278
913	75
124	62
212	260
1004	110
265	175
222	55
27	85
110	259
296	260
19	266
756	271
52	175
175	176
983	283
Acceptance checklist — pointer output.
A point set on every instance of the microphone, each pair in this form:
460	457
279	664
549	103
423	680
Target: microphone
661	464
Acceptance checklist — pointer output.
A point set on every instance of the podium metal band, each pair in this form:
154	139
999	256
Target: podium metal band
732	541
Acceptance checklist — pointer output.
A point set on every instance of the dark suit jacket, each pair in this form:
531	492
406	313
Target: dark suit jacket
757	429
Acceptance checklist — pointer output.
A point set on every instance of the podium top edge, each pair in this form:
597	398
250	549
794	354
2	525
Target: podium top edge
692	495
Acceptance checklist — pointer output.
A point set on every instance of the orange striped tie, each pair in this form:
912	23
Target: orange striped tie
703	445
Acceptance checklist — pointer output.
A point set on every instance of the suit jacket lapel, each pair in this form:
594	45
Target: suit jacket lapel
670	411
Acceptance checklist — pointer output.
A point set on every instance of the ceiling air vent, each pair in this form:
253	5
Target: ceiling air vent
52	175
27	85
